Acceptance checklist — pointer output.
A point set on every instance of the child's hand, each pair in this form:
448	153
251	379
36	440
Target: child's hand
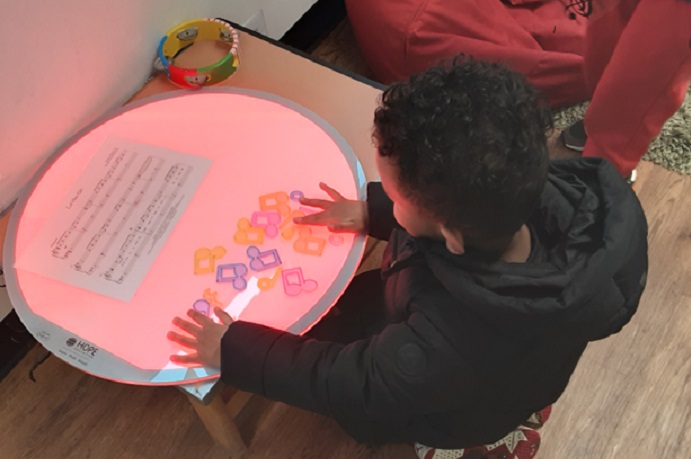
339	215
205	339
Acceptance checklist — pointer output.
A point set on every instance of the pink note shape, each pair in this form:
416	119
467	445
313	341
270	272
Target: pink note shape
294	283
267	220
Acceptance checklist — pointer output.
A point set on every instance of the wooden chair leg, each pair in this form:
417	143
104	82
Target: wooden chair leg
219	422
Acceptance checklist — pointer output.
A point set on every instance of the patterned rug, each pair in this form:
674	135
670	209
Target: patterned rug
671	149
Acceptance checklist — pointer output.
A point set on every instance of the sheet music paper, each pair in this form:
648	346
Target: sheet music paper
116	217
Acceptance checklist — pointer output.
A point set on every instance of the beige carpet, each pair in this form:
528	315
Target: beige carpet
672	148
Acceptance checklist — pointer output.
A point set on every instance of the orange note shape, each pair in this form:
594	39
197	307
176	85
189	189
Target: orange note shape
247	234
308	244
287	227
265	283
211	297
205	259
277	201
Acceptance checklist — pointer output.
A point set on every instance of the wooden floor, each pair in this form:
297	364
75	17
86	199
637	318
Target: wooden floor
630	397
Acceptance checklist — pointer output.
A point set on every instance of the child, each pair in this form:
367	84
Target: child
500	268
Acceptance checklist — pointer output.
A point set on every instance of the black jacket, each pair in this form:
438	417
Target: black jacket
472	347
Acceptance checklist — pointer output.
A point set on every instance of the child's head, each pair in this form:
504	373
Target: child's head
462	147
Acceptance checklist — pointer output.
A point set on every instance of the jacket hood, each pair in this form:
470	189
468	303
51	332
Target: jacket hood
588	282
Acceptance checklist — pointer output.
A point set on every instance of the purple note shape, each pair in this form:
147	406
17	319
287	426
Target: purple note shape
261	261
202	306
239	271
296	195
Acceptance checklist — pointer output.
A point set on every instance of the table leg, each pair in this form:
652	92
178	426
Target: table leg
219	422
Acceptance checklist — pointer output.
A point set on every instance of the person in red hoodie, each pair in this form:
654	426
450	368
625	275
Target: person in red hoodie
542	39
631	58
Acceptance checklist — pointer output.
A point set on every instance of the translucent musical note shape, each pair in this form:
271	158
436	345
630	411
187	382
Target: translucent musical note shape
238	271
266	283
294	283
308	244
277	201
211	296
202	306
247	234
267	220
296	195
205	259
260	261
288	227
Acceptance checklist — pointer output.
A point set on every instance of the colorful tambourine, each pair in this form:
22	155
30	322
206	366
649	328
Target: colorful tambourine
185	35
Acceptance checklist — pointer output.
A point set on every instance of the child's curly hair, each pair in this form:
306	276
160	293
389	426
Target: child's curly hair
469	140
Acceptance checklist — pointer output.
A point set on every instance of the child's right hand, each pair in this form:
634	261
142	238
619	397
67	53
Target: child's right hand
339	215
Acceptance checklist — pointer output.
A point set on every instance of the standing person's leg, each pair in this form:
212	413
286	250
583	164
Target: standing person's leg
643	84
607	21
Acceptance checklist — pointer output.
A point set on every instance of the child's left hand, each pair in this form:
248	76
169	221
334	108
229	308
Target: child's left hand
203	338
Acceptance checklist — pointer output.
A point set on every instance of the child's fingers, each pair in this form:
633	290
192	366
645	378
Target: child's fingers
198	317
189	358
189	327
320	219
339	228
223	316
182	340
333	194
320	203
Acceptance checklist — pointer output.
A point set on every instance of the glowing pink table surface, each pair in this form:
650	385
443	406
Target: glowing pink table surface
259	144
